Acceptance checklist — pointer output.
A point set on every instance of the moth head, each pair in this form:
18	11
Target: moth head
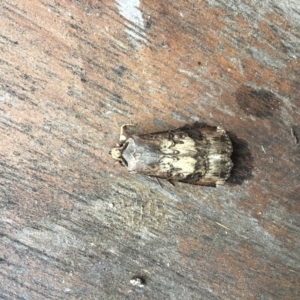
116	153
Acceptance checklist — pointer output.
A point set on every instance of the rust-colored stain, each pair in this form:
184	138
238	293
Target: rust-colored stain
258	103
256	213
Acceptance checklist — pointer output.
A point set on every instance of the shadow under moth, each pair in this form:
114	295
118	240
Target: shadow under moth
198	156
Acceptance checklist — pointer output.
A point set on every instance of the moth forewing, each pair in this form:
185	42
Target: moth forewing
198	156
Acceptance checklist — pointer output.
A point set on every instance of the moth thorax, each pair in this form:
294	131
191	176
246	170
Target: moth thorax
116	153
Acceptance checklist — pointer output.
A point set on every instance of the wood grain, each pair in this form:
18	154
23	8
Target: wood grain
75	225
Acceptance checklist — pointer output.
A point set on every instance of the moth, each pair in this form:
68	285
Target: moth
198	156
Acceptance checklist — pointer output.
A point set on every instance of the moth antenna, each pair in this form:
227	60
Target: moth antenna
159	182
123	135
171	182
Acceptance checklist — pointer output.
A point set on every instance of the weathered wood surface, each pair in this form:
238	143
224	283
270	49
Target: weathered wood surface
75	225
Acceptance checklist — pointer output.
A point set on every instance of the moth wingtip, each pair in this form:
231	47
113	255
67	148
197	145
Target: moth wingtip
220	183
220	129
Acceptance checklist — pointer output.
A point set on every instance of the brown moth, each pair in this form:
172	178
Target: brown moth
193	155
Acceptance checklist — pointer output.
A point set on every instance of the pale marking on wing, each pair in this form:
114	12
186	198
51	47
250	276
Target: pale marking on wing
183	164
186	148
